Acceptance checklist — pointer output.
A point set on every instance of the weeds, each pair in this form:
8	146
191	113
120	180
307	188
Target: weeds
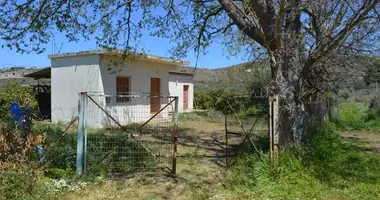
324	168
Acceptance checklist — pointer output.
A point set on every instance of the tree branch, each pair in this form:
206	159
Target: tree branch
241	21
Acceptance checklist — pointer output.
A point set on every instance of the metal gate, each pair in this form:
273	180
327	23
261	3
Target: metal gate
121	132
241	122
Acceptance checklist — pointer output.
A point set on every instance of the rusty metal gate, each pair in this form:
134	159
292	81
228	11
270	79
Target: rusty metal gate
122	132
242	122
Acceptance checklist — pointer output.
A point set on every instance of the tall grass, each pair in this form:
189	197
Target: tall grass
325	168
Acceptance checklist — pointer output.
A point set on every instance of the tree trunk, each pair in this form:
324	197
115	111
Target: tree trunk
292	114
290	61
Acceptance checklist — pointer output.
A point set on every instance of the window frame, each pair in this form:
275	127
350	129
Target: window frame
123	99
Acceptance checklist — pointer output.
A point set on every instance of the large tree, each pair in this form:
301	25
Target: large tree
296	36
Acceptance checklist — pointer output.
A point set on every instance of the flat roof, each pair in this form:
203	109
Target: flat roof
40	74
182	73
120	52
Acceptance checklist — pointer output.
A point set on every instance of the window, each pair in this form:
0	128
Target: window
122	88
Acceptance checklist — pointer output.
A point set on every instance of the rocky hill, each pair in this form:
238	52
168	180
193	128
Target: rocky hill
16	74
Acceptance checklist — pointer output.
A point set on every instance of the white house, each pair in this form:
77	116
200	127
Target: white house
104	74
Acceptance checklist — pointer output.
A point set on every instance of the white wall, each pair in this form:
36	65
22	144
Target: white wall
140	72
176	83
72	75
69	77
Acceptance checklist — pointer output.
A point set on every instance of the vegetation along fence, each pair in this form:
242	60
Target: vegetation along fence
122	132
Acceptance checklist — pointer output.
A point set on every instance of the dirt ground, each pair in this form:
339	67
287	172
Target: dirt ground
201	170
369	139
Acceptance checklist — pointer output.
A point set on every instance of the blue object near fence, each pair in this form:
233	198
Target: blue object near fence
19	114
40	154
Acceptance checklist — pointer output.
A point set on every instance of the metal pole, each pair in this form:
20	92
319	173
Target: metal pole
226	133
85	117
80	134
175	137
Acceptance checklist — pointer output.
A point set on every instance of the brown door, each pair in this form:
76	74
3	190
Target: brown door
185	96
155	91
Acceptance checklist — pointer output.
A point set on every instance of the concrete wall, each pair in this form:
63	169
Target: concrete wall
176	83
69	77
140	72
97	75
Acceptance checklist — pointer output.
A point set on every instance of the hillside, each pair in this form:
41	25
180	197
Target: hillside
231	77
203	78
16	74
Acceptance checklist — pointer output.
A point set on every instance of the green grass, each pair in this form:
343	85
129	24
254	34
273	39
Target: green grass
356	116
119	153
326	168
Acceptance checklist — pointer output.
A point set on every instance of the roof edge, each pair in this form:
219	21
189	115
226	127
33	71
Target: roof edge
119	52
182	73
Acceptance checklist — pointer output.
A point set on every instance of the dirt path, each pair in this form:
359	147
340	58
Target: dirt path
370	139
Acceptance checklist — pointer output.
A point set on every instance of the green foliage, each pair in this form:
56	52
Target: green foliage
13	92
220	100
356	116
63	154
23	182
326	168
372	74
57	173
214	100
61	157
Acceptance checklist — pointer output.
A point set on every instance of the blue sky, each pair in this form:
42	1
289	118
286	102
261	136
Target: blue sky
216	57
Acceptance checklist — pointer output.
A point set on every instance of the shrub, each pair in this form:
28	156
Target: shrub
63	154
356	116
15	93
23	182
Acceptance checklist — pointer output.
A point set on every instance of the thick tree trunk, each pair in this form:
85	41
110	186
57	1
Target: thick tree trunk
292	114
288	80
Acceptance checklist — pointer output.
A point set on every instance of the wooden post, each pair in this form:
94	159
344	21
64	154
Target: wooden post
273	128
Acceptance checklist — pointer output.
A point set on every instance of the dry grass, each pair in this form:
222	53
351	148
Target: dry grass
370	139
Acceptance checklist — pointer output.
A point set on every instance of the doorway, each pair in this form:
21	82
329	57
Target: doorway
155	91
185	97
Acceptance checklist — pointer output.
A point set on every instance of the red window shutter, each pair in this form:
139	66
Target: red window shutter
122	88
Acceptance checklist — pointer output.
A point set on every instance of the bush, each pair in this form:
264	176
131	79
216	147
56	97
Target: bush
356	116
15	93
23	182
62	154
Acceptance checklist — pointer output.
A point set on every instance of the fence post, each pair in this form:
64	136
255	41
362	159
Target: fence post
85	117
226	133
175	136
276	137
273	127
80	134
